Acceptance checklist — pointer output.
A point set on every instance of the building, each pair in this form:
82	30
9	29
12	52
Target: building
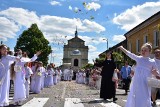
147	31
75	53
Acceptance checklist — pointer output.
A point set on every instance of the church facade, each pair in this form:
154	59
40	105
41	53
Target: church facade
75	53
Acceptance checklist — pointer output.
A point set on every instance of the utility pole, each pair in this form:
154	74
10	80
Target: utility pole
106	41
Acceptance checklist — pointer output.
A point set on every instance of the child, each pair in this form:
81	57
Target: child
98	81
49	77
19	76
140	92
28	72
5	61
38	79
115	77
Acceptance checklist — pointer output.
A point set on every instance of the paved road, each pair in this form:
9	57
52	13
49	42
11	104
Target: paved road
70	94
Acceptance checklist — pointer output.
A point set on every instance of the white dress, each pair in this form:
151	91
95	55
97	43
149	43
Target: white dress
4	97
42	77
19	80
140	92
55	77
33	78
49	78
28	73
38	81
98	82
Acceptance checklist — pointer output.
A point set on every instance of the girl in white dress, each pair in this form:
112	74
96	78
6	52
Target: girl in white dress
19	77
59	75
43	76
55	75
38	76
28	73
49	78
98	81
5	82
38	79
35	63
140	92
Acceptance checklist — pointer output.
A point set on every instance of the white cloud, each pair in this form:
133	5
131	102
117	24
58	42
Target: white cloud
92	48
90	25
93	5
8	28
56	58
55	29
93	55
118	38
54	3
54	26
137	14
89	40
20	16
51	26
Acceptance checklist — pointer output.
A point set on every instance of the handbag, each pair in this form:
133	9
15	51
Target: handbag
129	77
115	77
153	82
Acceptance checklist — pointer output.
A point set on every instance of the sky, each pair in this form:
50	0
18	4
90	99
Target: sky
96	20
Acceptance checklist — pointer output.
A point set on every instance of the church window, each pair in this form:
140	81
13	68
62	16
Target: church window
75	62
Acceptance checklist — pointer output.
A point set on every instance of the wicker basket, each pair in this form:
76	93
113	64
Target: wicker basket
153	82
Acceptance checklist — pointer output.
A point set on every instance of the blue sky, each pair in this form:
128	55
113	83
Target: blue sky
96	21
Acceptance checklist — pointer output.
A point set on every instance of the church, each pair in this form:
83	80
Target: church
75	53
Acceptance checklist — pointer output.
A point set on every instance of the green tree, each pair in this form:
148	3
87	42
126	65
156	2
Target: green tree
118	58
89	65
33	40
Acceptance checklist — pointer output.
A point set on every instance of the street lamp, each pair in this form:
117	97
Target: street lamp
107	42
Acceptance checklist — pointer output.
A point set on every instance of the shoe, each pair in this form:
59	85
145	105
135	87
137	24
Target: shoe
115	99
125	93
154	104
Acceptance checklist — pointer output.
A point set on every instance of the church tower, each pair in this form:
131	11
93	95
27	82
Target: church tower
75	53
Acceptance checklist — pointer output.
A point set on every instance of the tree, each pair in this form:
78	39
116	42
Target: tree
32	40
118	58
88	66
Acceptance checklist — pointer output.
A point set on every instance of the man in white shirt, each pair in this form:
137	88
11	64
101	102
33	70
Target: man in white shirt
155	90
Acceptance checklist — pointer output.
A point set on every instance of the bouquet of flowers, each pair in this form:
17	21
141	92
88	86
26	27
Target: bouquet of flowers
39	73
17	68
95	77
153	82
115	76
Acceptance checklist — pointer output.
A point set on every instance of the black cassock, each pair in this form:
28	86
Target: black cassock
107	90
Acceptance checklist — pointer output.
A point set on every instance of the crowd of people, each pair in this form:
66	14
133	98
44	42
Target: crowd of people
25	74
30	75
134	77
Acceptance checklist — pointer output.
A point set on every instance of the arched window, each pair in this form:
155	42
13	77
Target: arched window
75	62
